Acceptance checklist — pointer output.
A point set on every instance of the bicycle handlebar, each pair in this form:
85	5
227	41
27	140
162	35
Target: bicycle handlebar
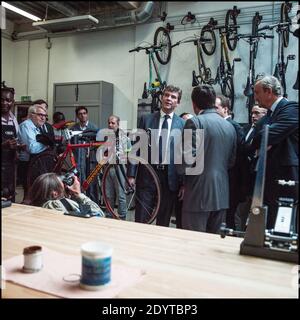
272	26
230	27
195	40
250	36
137	49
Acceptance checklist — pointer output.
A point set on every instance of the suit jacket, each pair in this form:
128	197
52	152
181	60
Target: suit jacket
209	190
151	121
283	137
237	191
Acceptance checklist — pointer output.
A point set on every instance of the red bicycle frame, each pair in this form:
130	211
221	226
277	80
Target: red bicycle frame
69	150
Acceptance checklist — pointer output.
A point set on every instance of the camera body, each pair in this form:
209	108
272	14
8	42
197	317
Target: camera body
69	178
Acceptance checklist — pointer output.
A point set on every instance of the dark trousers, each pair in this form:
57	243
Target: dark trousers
204	221
145	193
168	199
8	180
178	213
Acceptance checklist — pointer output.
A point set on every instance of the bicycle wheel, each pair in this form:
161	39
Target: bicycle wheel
209	37
145	200
231	29
284	17
42	163
162	39
227	89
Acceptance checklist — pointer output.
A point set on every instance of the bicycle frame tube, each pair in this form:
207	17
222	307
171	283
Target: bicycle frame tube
199	58
69	150
225	50
156	68
251	65
86	183
150	70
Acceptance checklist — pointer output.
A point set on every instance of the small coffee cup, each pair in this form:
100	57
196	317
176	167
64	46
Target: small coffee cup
96	265
33	259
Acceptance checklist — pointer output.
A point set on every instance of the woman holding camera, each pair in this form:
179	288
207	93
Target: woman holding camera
49	191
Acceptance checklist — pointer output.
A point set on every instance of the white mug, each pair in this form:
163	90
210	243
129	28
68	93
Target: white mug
96	265
33	259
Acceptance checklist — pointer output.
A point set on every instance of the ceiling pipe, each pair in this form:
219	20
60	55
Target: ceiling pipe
137	16
144	12
129	5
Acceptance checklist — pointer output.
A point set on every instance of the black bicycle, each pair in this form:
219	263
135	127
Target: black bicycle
253	40
282	29
225	71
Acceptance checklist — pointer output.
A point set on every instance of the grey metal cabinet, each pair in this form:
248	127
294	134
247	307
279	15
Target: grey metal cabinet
96	96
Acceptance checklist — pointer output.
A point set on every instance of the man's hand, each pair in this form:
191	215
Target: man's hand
180	193
74	189
10	144
131	181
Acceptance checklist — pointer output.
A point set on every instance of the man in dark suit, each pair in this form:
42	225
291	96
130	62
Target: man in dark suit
247	173
206	190
257	113
283	152
168	126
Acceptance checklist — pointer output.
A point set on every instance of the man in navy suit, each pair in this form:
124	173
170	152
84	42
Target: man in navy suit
283	150
168	126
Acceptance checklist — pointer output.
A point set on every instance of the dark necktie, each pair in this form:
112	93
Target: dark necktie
268	119
161	140
43	129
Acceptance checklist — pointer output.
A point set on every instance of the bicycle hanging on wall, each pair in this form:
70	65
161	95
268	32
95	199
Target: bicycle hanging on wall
161	49
282	29
253	40
225	70
204	72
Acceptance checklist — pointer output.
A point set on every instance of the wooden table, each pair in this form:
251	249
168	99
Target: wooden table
177	263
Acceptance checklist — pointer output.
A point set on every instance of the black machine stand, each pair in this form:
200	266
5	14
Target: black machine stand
280	243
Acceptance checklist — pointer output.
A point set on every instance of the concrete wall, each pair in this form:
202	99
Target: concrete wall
32	69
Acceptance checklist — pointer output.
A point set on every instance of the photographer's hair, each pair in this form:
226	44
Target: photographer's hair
42	189
270	82
80	108
172	88
204	97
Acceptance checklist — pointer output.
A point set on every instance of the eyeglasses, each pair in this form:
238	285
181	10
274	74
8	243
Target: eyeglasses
40	114
81	113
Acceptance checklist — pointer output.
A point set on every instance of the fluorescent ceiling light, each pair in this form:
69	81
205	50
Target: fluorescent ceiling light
19	11
70	23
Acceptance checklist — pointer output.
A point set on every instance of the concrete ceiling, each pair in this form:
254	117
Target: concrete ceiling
109	13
